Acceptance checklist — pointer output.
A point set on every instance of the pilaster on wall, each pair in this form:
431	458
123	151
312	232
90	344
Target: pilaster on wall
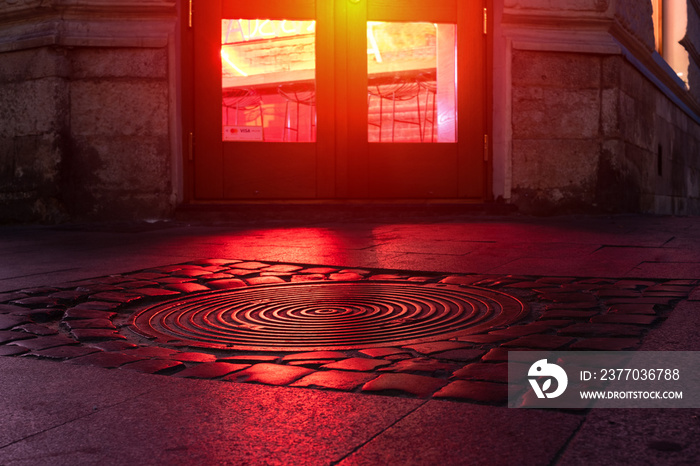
87	109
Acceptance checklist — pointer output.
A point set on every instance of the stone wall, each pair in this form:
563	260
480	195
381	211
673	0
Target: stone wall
86	110
34	99
597	121
118	161
556	122
653	165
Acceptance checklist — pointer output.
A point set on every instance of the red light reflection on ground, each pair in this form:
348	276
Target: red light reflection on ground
354	247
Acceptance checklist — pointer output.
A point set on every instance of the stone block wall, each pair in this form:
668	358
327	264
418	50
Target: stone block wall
87	105
556	130
34	99
598	122
650	159
118	162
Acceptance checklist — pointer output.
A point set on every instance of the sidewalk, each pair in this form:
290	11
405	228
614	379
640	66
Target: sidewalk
62	412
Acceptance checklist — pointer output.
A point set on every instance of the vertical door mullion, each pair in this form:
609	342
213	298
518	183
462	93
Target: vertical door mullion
207	144
356	91
471	99
325	100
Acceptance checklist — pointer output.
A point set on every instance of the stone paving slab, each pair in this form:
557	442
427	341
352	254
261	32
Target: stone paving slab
96	416
628	436
453	433
93	328
63	393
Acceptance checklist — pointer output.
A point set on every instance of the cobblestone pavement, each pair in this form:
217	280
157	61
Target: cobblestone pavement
91	323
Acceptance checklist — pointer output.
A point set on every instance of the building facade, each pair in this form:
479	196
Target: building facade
130	110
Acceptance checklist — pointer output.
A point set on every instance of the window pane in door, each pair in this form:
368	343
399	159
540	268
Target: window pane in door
411	95
268	80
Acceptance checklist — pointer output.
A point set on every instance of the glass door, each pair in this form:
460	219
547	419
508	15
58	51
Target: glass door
422	77
256	119
309	99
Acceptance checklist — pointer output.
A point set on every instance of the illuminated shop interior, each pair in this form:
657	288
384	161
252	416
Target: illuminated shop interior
269	81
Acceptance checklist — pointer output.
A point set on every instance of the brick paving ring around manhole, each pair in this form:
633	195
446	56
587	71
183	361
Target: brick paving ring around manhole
326	316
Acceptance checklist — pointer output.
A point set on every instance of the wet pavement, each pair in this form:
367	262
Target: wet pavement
97	369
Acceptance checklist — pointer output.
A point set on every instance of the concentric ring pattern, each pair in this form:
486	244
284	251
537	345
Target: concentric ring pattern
326	315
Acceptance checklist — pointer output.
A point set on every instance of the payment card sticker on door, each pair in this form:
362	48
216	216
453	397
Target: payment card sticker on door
243	133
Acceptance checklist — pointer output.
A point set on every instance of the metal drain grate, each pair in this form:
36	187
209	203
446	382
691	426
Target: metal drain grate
328	315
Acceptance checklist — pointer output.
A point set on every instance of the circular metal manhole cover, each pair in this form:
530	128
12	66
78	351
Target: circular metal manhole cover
327	315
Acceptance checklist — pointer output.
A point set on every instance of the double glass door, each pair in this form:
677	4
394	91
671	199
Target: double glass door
326	99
